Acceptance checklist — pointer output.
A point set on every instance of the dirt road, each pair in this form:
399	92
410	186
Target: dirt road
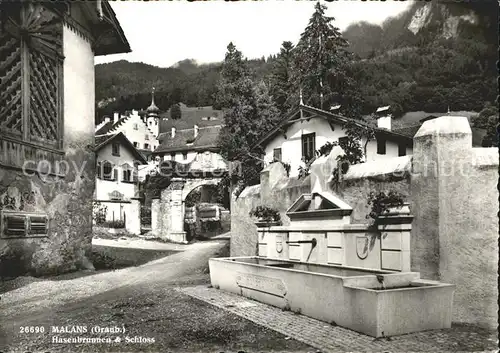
139	300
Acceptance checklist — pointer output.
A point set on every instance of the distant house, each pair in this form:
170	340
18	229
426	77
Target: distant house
141	129
191	138
408	128
47	169
306	129
118	162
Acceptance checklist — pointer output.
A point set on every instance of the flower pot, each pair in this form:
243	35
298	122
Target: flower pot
398	210
267	222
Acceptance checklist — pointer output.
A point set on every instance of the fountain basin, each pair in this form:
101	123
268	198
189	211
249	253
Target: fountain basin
374	302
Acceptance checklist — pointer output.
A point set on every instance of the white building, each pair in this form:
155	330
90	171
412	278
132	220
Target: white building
192	139
307	129
117	168
141	131
47	129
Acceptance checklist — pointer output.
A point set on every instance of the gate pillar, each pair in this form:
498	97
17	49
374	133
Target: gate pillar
173	212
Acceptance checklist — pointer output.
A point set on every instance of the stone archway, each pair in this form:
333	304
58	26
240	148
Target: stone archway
171	208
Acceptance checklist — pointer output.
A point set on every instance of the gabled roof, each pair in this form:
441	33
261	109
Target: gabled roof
316	112
104	140
112	39
206	139
111	126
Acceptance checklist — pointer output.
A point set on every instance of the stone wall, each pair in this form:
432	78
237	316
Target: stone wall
376	177
455	198
279	193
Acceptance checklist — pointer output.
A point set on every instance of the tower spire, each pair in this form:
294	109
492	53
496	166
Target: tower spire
153	108
300	94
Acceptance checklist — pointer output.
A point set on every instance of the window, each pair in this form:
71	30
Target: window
31	79
116	149
146	137
380	145
172	156
136	127
401	150
343	141
107	171
127	173
146	146
277	154
184	155
308	146
136	144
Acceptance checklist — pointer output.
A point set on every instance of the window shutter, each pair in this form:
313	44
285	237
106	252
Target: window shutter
14	225
22	224
38	224
99	170
115	175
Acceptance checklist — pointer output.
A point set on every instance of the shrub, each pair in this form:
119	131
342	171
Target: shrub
266	213
381	202
113	224
99	212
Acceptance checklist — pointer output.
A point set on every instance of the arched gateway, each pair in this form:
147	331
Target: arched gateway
168	211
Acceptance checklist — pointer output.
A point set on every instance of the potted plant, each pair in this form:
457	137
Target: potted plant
266	216
387	205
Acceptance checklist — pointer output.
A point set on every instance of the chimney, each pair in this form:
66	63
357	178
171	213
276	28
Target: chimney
116	116
173	132
196	131
384	118
106	119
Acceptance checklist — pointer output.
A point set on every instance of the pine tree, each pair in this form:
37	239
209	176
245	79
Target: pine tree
175	112
249	112
281	77
321	61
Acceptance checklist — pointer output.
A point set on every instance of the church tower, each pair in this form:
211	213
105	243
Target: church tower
153	116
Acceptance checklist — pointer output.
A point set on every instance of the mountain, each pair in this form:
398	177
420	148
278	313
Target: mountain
434	56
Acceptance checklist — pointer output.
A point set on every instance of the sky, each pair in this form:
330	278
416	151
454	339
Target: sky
162	33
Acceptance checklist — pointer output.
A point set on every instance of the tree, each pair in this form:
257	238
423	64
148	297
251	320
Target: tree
321	63
249	112
281	77
175	112
488	120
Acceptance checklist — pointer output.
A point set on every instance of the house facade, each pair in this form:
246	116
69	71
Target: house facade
117	184
117	168
47	165
132	126
298	136
140	128
192	139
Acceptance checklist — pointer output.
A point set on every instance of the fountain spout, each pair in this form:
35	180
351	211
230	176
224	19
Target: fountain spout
313	241
380	279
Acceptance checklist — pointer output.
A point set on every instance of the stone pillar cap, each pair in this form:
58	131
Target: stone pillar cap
445	125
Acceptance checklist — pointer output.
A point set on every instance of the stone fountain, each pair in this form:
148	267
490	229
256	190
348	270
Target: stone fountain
326	268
